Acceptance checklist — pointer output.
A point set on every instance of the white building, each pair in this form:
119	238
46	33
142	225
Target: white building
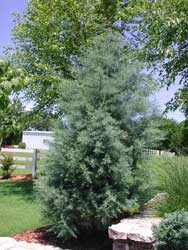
37	139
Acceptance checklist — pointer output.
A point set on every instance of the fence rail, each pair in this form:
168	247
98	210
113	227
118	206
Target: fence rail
31	159
154	152
24	158
16	150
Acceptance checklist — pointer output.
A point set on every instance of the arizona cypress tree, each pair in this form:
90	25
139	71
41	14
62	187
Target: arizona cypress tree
87	175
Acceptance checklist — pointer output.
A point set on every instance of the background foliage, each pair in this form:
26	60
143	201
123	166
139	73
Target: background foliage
159	30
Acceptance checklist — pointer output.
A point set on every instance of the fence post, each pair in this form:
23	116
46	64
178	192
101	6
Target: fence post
34	163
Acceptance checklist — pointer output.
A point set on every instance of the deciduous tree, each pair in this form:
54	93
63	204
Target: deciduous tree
159	29
12	80
50	35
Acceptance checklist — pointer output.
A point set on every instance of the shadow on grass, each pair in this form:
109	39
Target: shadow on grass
22	189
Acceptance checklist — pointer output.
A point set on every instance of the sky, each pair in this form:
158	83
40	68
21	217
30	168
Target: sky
7	7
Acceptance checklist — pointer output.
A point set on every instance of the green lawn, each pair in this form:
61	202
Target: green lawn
22	171
19	171
19	210
23	154
18	154
22	163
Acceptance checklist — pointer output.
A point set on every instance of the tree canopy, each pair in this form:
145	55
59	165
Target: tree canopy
50	35
168	128
12	122
160	28
180	139
12	80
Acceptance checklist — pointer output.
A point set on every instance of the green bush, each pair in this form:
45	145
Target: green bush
22	145
172	233
7	167
88	177
167	175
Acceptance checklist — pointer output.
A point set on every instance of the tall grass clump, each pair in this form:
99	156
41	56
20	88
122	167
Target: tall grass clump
173	180
167	175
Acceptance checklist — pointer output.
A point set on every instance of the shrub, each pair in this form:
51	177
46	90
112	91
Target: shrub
167	175
172	233
88	177
22	145
7	167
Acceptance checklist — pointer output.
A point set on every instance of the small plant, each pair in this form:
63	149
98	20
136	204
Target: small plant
172	233
22	145
7	166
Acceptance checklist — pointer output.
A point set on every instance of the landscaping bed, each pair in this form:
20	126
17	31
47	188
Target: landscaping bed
94	241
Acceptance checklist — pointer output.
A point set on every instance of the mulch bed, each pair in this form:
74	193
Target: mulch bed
39	235
95	241
18	177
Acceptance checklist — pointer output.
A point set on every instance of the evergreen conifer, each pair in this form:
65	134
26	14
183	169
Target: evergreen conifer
88	173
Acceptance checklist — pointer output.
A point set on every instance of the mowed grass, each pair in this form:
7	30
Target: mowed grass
18	154
19	171
19	209
23	154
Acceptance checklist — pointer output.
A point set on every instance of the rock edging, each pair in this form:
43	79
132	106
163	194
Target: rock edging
7	243
133	234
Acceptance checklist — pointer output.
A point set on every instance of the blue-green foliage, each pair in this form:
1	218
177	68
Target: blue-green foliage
87	176
172	233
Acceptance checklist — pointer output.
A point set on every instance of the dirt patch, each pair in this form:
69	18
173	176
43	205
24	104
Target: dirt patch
18	177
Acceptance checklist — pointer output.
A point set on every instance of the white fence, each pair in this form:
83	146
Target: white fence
29	158
16	150
154	152
24	158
